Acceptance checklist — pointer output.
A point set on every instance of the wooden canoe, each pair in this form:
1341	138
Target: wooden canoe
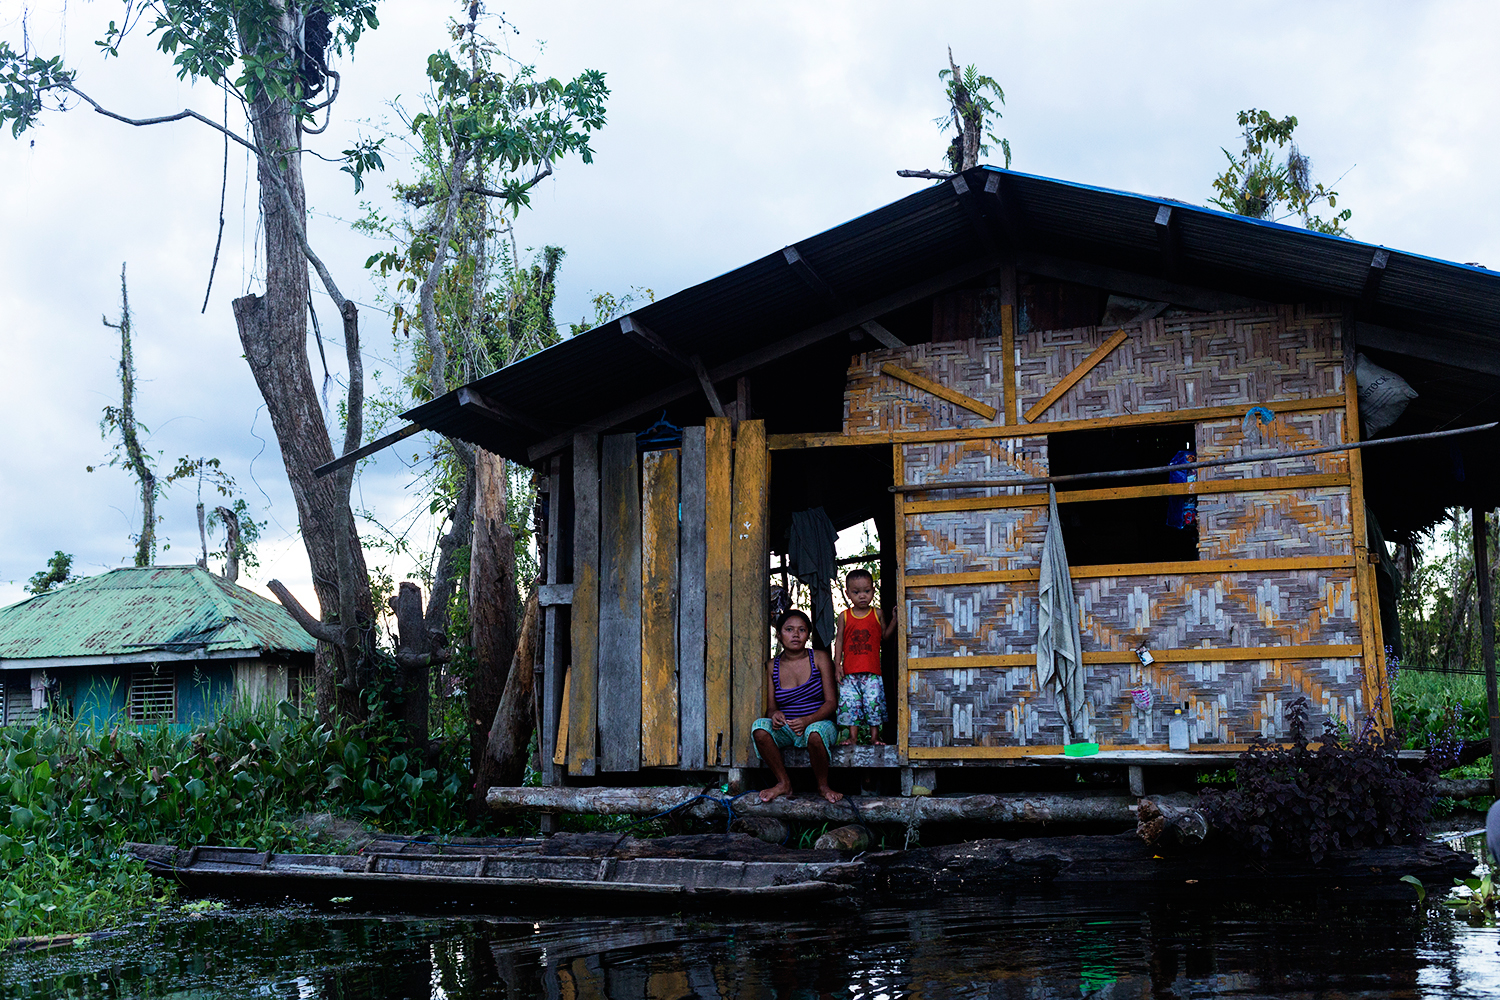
493	877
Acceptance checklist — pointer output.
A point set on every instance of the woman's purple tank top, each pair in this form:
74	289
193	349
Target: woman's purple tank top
802	700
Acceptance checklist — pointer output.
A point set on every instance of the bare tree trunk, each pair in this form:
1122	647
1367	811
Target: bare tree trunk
504	759
492	605
273	333
145	545
415	659
1459	611
231	543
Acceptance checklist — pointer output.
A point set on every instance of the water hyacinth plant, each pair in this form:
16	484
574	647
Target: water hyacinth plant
72	796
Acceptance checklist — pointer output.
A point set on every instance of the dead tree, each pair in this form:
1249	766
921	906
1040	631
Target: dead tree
503	761
123	418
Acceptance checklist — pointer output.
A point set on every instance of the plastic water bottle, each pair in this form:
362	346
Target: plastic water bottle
1177	731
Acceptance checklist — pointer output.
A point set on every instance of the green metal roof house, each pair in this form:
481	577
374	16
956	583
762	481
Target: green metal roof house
156	644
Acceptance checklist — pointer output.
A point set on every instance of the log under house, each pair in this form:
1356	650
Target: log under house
928	368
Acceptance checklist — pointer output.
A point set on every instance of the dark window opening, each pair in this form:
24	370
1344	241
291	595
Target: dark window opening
1132	530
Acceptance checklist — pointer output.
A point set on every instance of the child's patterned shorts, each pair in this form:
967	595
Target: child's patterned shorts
861	700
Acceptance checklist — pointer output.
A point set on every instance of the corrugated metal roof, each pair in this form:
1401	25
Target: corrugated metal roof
175	609
928	233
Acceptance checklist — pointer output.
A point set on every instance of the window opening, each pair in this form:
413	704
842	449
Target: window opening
153	695
1134	529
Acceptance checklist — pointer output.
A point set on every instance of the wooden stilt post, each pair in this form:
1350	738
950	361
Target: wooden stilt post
1487	636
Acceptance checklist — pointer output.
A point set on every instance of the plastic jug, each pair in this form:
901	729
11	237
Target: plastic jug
1177	731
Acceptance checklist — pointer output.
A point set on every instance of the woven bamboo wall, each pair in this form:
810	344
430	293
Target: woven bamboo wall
1229	702
1175	362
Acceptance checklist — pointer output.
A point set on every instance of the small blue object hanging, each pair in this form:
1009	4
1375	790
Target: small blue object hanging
659	436
1182	512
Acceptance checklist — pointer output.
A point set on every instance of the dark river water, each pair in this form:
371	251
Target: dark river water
1109	941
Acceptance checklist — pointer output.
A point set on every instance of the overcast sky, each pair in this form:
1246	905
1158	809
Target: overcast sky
733	131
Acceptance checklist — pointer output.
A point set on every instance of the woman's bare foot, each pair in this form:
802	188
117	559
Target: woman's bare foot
876	741
776	790
846	742
828	793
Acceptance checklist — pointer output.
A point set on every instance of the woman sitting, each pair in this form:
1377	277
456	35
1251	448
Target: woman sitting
802	698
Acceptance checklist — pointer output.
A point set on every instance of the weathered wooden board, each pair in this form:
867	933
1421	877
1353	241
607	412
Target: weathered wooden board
692	587
620	606
551	700
658	692
717	518
749	562
583	673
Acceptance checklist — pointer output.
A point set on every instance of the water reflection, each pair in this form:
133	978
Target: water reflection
1111	942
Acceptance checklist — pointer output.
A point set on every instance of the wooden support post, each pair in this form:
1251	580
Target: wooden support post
1367	606
1010	400
581	686
693	590
659	575
903	679
717	517
1137	780
550	690
749	566
619	605
1487	637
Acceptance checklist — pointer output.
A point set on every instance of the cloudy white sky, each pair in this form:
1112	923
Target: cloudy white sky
733	130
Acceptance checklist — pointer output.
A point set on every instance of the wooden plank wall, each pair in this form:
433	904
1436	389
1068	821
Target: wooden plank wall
749	559
693	597
717	517
583	673
620	606
658	688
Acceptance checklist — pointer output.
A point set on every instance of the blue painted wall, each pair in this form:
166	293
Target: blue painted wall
96	695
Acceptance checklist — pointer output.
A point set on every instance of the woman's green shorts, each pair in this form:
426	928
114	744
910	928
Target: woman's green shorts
784	737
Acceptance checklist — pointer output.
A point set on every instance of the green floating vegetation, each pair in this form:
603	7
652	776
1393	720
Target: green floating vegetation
72	796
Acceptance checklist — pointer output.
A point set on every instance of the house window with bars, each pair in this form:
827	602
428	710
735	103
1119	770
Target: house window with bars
153	695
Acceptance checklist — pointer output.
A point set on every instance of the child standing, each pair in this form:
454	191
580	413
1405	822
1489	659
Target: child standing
856	659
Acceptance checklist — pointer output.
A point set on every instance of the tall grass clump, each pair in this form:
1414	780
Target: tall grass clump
71	796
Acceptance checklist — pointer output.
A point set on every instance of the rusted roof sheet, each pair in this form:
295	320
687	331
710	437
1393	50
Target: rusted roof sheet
169	609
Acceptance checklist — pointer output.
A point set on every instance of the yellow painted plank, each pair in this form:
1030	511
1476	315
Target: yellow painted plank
939	390
1069	380
1203	566
1103	657
1201	488
659	609
903	685
749	567
560	752
1056	750
716	681
786	442
1367	608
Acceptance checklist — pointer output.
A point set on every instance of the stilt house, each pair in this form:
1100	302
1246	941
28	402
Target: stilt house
934	366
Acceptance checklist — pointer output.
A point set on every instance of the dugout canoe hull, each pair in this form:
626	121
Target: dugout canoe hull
499	879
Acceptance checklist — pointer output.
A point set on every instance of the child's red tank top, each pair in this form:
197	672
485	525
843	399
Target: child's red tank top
861	643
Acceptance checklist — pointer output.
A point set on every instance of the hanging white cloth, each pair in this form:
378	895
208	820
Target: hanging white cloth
38	690
1059	647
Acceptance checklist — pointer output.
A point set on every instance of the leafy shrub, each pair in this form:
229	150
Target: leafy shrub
1305	800
71	796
